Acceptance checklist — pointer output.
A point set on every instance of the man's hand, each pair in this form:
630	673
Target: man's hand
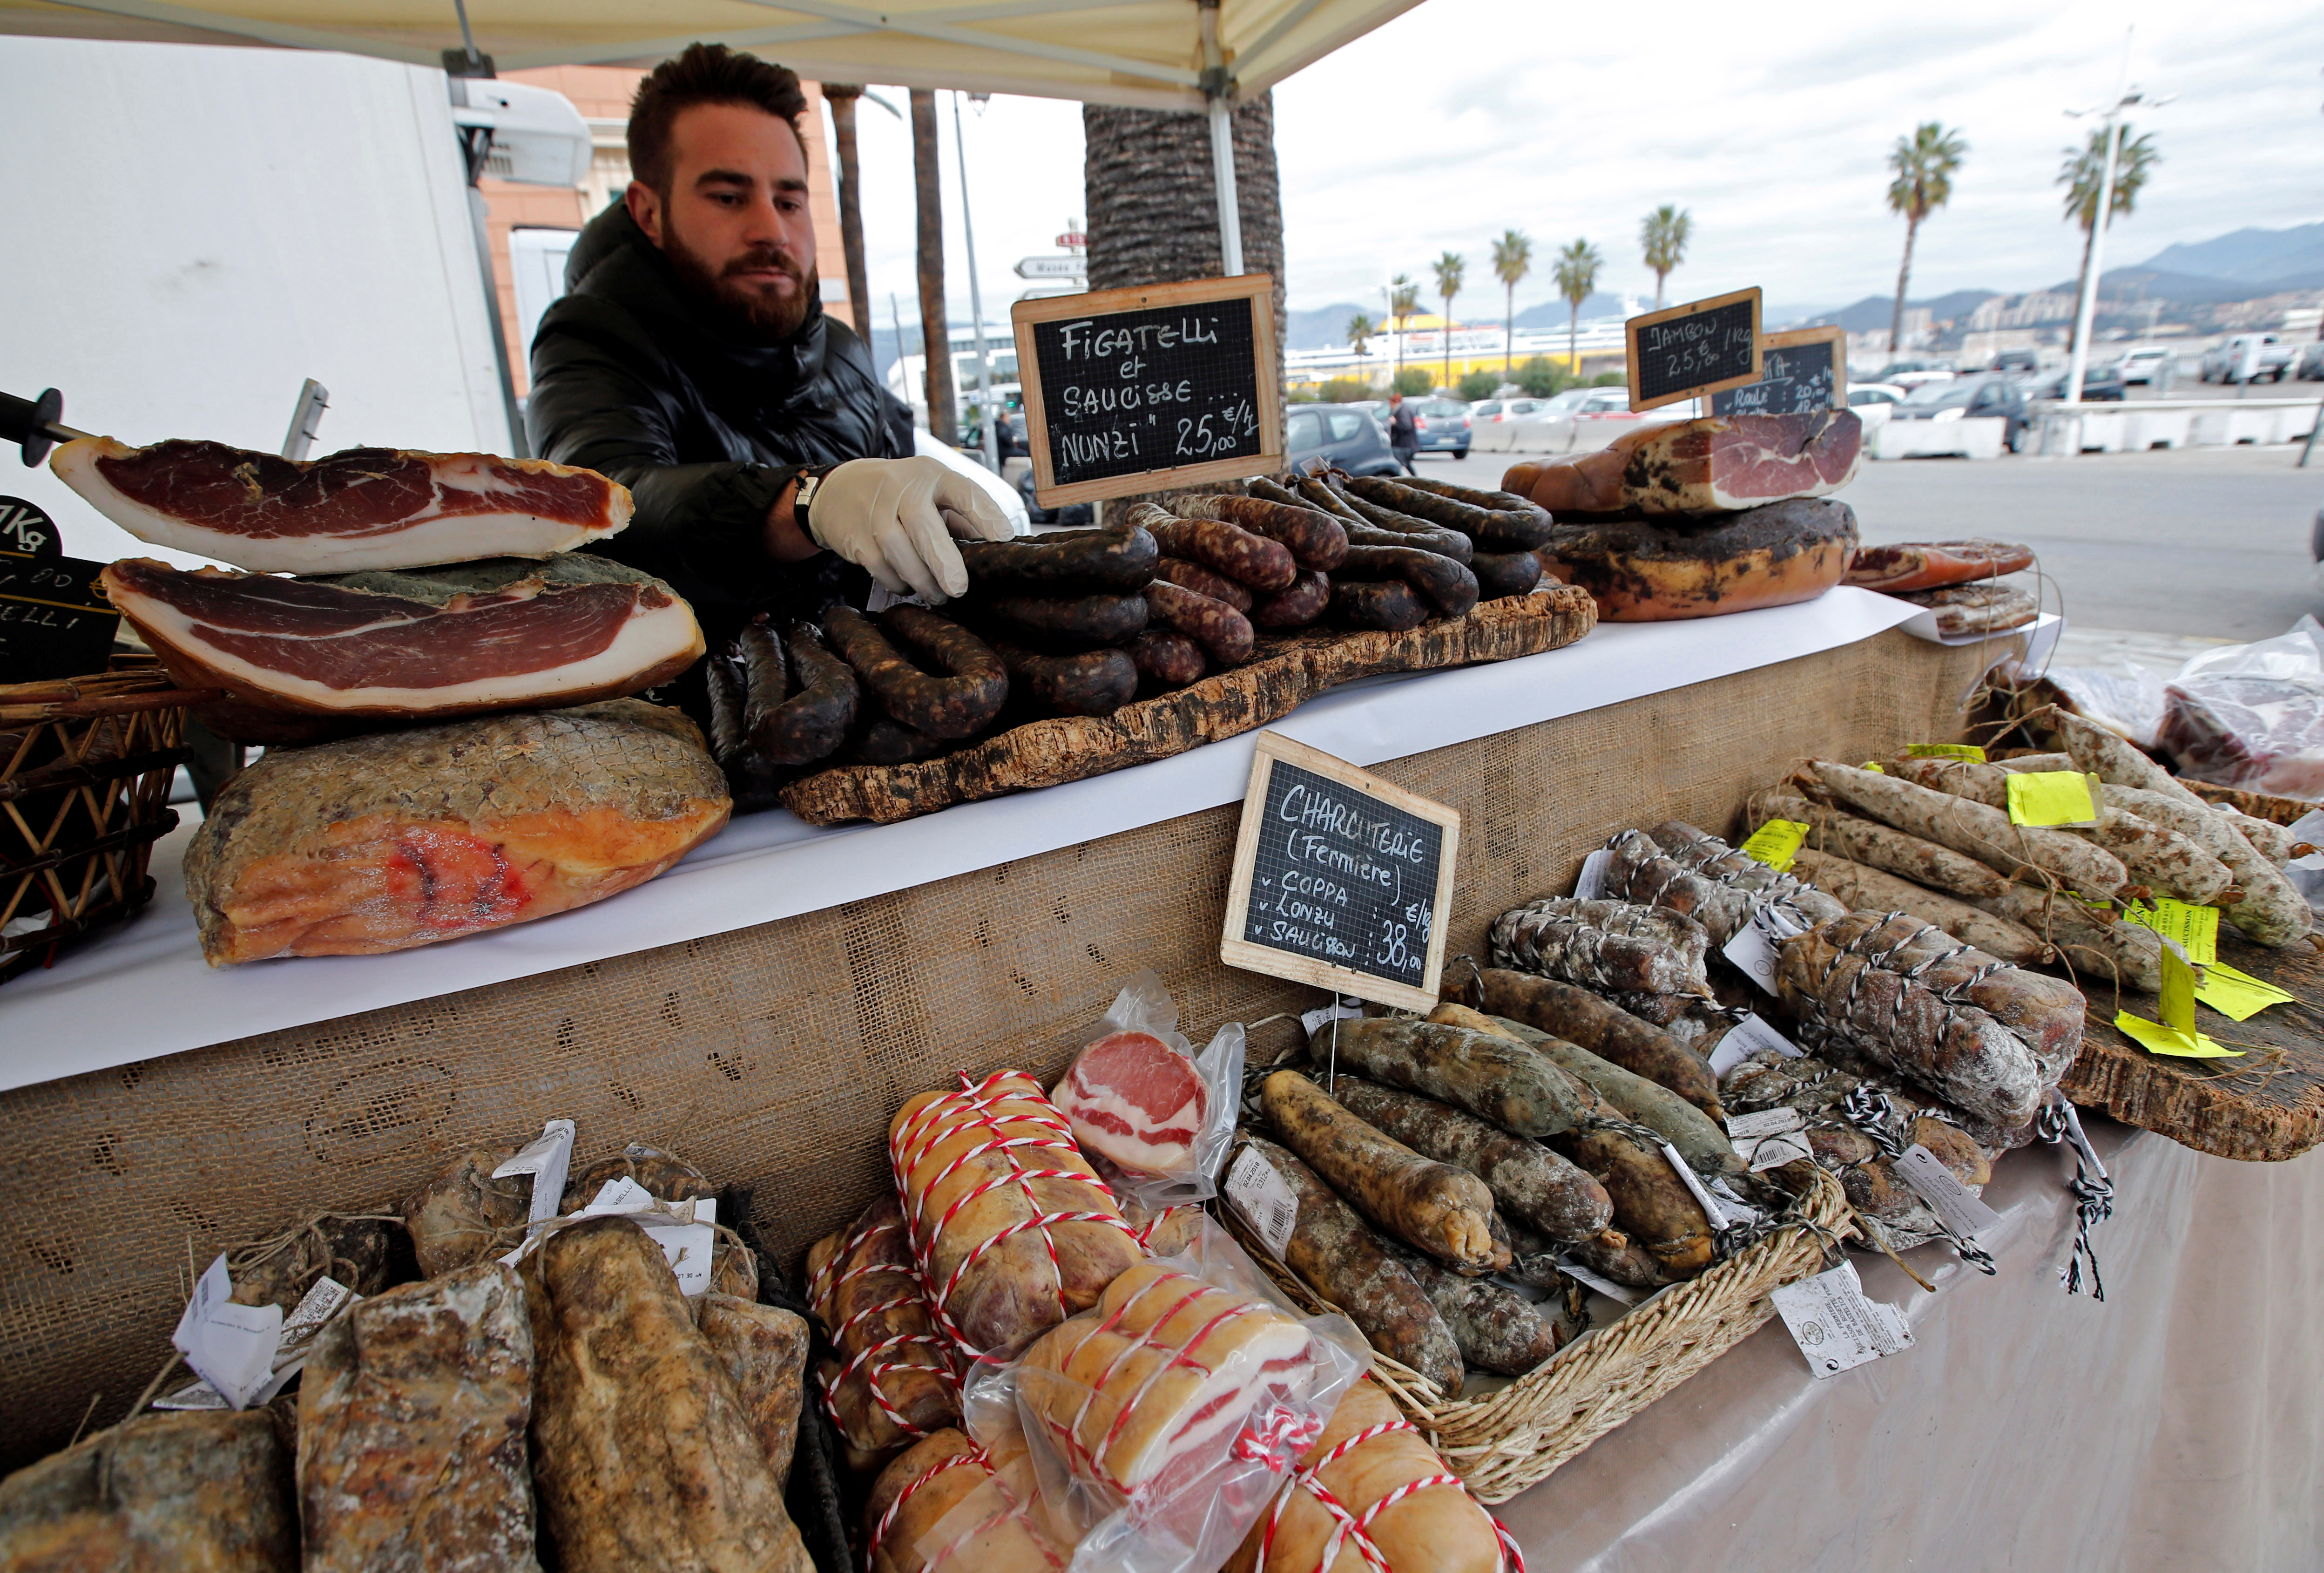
896	518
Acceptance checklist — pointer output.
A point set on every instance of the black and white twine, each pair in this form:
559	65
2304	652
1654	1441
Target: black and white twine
2092	1190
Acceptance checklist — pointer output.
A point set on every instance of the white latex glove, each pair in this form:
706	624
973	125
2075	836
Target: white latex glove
896	518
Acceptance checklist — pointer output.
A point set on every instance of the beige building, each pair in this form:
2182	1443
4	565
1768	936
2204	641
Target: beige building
601	94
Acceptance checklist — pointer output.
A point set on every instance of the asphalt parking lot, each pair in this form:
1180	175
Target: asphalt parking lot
2210	543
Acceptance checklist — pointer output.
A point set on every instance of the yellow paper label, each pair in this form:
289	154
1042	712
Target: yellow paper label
2052	797
1776	843
2237	994
1875	766
2195	928
2176	1007
1968	751
2161	1040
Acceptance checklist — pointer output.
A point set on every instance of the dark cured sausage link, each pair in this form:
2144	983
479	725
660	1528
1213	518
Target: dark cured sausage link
1389	604
1416	532
1224	633
766	675
1296	607
754	782
814	721
1081	620
1231	549
1166	661
1492	502
1276	492
1096	682
1318	494
890	742
1315	539
1453	588
1119	557
1505	530
953	706
1202	581
1501	574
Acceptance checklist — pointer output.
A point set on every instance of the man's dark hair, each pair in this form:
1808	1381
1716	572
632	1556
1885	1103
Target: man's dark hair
707	73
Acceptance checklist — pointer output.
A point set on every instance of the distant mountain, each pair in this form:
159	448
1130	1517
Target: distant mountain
1553	313
1322	327
2248	256
2150	283
1874	313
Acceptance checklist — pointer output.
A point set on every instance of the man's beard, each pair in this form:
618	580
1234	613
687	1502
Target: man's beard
758	318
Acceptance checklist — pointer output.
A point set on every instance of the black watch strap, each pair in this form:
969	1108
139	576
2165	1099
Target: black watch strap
810	481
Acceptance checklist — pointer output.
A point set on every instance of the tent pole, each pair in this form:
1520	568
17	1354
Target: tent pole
1217	88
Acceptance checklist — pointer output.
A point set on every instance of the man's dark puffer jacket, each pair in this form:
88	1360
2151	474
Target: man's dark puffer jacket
634	378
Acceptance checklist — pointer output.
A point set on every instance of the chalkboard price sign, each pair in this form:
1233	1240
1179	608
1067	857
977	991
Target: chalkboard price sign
1162	386
1693	350
1341	879
53	621
1801	372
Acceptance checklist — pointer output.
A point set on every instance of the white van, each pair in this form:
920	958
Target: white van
2247	357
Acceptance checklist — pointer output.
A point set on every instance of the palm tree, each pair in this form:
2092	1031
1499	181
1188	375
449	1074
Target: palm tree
1403	300
1665	235
1512	260
2085	170
936	329
1576	274
1450	267
1362	330
1925	163
842	99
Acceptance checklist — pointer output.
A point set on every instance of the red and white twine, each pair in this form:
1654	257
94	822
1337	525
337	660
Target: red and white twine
1355	1528
887	1356
978	1107
1012	1508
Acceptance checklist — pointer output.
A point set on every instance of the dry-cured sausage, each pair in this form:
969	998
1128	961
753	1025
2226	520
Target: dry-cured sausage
1877	846
1502	574
1492	502
1519	529
1119	556
1414	533
1308	597
808	719
1497	1329
1389	604
1437	1208
1315	539
1166	659
1229	549
1079	621
1205	581
1224	633
1531	1183
1652	1205
1868	890
1983	833
954	706
1578	1016
1447	584
1490	1076
884	740
752	779
1611	945
1092	682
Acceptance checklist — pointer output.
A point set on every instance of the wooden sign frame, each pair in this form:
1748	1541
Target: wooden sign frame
1691	309
1258	288
1236	951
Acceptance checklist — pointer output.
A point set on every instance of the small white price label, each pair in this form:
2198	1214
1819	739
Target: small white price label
1835	1326
1621	1294
1960	1211
1768	1137
1747	1038
1754	946
1592	885
1265	1203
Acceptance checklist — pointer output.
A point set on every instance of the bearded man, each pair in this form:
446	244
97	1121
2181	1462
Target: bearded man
692	362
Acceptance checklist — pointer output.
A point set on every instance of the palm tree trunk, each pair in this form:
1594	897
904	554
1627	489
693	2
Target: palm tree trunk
1508	330
1659	277
1904	277
1448	343
935	331
842	99
1572	335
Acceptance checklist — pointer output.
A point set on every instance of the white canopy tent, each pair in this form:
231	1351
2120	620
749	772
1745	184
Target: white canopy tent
1163	54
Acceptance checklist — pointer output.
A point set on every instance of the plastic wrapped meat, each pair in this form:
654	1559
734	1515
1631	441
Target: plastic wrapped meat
2263	733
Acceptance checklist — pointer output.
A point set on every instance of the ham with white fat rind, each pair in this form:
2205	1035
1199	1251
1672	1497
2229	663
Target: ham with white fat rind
290	653
367	507
1719	462
1136	1101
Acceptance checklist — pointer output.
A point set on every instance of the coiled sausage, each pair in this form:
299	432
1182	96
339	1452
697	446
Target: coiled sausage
1315	539
1389	604
1202	581
1167	659
1230	550
1080	621
952	707
1451	587
1224	633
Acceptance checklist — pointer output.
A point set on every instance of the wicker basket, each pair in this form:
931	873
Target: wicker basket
1506	1440
85	771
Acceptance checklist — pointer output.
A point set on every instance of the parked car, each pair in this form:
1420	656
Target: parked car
1344	434
1496	410
1442	424
1861	394
1912	374
2150	365
2309	367
1982	394
1072	516
2017	363
2101	385
2248	357
1570	400
2316	546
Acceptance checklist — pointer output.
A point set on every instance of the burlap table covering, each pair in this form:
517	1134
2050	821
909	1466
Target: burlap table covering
774	1055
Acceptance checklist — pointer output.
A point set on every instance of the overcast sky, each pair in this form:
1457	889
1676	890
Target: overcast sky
1464	117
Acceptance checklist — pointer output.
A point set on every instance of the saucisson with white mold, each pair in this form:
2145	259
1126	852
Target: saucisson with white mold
2271	840
1337	1254
1491	1077
1870	889
1315	539
1639	871
1983	833
1204	581
1696	1136
1228	549
2036	764
1497	1329
1437	1208
1604	944
2160	858
1615	1256
1873	845
2273	912
1988	1038
762	1348
1225	634
1574	1013
2093	943
1529	1181
1653	1207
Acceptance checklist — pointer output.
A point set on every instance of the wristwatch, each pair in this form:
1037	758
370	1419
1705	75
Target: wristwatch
810	481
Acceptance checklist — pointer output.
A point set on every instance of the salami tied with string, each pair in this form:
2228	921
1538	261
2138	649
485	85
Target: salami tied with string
893	1380
952	1505
1012	1229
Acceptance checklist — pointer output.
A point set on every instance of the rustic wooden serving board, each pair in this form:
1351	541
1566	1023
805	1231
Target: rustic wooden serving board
1289	669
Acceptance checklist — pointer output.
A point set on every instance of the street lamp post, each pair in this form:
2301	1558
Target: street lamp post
975	304
2086	307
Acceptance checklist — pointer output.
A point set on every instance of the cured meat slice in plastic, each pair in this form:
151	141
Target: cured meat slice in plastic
368	508
1137	1101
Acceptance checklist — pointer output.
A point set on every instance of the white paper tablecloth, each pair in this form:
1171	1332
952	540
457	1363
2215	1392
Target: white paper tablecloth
142	990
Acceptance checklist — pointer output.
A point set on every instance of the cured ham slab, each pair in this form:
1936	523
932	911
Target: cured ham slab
1647	571
1702	466
367	507
301	659
1930	565
405	838
1136	1101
